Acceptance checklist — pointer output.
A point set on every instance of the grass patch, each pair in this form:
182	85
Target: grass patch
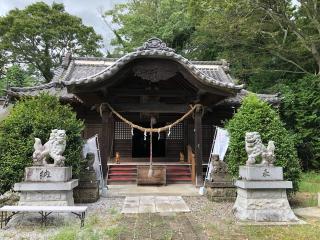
304	199
66	233
310	182
114	232
168	235
310	231
309	186
4	112
95	228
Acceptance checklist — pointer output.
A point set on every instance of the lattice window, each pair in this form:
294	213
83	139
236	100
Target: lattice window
176	132
122	131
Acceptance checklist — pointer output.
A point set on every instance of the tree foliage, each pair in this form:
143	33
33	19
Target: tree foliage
140	20
255	115
266	40
40	35
15	76
32	118
301	112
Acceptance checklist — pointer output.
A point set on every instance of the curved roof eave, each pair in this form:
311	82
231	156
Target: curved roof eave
153	53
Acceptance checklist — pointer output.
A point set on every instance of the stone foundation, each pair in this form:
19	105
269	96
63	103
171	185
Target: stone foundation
48	198
263	200
220	191
88	189
47	185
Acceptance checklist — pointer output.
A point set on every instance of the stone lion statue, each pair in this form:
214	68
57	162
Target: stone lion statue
54	148
255	148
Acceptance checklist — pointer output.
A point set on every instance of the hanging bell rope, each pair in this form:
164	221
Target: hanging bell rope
150	172
150	130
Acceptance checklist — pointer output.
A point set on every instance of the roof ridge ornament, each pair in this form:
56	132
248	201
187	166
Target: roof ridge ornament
155	44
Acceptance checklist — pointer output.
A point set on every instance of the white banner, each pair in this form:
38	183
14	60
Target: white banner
221	142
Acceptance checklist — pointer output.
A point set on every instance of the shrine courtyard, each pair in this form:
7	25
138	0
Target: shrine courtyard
206	220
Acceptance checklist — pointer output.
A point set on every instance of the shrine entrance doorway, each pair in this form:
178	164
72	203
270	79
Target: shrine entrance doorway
141	143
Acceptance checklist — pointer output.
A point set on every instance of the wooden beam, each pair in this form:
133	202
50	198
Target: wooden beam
151	107
142	92
198	145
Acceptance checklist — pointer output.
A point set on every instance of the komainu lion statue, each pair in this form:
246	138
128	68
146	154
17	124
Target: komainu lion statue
53	148
255	148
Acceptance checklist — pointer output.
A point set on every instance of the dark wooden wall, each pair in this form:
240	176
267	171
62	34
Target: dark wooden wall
180	136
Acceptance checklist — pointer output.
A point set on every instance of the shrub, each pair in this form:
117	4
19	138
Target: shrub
31	118
256	115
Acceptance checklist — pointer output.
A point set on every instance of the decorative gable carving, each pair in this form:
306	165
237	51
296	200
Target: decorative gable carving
155	43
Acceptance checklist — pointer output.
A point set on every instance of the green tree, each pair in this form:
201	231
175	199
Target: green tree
136	21
28	120
297	38
40	35
15	76
301	111
265	41
255	115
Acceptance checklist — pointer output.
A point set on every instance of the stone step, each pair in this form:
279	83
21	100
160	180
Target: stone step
122	174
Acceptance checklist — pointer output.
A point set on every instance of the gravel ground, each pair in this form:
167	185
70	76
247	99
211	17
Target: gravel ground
205	217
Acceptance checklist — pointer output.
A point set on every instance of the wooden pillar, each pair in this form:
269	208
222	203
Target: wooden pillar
107	139
198	145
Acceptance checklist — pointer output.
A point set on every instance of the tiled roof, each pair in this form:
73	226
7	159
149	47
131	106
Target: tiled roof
273	99
53	88
93	70
83	70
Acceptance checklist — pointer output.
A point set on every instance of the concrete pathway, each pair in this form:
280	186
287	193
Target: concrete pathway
308	212
169	190
154	204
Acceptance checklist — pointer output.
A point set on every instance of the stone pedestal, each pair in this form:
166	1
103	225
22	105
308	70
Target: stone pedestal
88	189
222	191
261	195
47	185
219	187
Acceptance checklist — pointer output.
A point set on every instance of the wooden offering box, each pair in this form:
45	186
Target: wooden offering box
158	175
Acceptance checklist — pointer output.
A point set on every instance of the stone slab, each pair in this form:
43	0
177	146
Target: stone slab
147	204
260	173
131	205
244	184
48	174
45	186
153	204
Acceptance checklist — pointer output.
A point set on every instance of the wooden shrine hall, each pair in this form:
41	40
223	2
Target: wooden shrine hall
149	105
